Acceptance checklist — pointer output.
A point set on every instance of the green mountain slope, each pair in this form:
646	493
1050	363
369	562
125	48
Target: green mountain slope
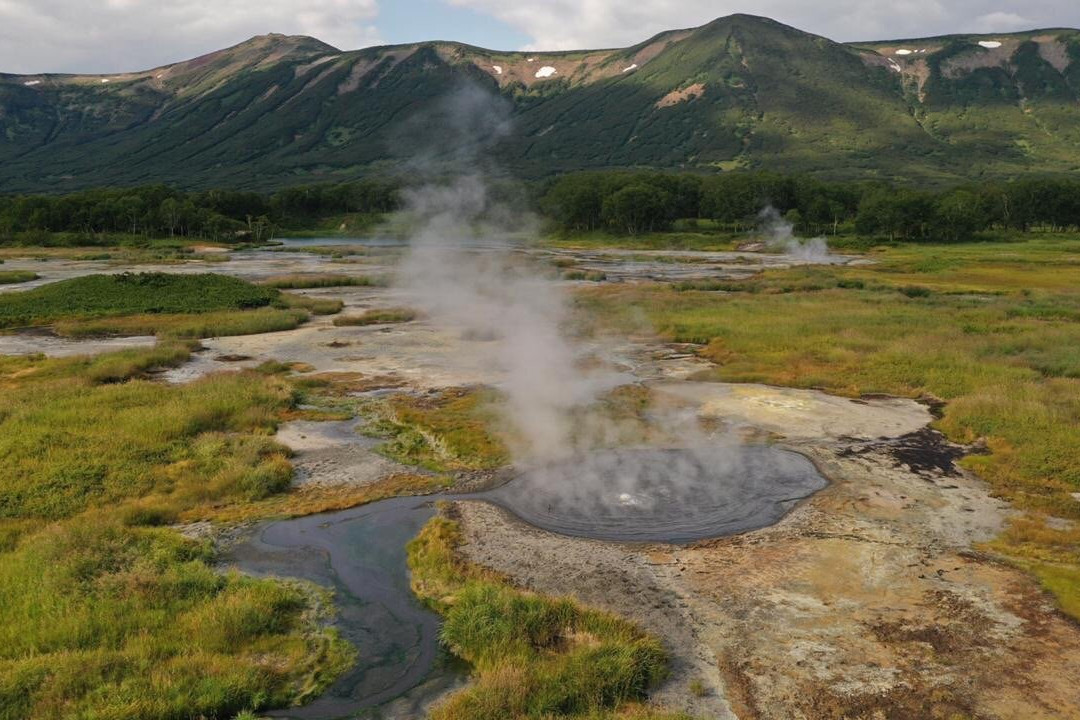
741	91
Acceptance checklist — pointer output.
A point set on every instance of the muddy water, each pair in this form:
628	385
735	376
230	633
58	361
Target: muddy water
669	496
651	495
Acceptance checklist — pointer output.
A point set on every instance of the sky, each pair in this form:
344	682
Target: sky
102	36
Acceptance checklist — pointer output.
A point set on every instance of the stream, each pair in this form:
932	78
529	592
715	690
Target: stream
638	495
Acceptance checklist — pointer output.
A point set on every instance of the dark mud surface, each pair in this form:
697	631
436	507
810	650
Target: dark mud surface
626	495
924	452
670	496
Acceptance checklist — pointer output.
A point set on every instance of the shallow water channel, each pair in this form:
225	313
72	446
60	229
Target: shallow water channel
643	495
360	554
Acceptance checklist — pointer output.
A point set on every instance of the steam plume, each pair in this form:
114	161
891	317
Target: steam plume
496	295
780	236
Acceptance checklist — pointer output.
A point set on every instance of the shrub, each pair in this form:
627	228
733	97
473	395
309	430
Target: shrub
915	291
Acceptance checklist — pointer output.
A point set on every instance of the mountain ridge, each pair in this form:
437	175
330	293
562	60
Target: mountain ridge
740	91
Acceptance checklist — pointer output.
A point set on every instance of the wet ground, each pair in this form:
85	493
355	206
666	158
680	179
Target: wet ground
360	554
45	343
682	265
662	495
869	599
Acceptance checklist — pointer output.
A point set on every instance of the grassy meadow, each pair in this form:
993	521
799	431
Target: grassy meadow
108	612
128	294
164	304
103	612
991	328
531	656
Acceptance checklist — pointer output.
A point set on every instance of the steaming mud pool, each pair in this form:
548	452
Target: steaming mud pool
671	496
635	495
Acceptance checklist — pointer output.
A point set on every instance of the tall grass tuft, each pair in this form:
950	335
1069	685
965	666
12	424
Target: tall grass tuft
377	317
532	656
299	281
14	277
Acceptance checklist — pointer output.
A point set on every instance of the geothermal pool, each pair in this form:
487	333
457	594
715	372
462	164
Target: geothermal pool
671	496
631	495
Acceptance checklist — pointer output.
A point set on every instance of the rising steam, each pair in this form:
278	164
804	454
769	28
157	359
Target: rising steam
495	295
465	272
780	237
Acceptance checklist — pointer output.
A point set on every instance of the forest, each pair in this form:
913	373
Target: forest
96	216
618	202
638	203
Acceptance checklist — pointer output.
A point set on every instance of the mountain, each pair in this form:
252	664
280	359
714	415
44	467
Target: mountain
742	91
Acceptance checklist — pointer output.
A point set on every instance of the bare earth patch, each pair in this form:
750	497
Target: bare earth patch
680	96
869	600
333	454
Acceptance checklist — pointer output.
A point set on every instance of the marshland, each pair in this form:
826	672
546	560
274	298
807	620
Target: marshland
438	471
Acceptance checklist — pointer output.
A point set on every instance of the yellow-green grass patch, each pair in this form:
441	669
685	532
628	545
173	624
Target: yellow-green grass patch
298	281
381	316
14	277
532	656
997	336
454	429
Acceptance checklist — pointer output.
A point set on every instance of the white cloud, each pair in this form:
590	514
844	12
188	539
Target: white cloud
100	36
572	24
103	36
1002	22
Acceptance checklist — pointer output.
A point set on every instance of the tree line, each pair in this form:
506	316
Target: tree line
158	211
629	202
616	201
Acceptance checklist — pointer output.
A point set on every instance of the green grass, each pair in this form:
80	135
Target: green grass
94	296
202	325
99	620
316	306
452	430
299	281
14	277
22	373
71	443
377	317
167	305
532	656
102	612
995	334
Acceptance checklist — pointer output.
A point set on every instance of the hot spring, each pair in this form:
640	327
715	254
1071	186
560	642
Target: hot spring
668	495
626	495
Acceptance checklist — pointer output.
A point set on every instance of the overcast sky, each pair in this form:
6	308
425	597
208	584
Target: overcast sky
99	36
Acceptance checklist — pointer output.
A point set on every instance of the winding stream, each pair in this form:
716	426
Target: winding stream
360	554
647	495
